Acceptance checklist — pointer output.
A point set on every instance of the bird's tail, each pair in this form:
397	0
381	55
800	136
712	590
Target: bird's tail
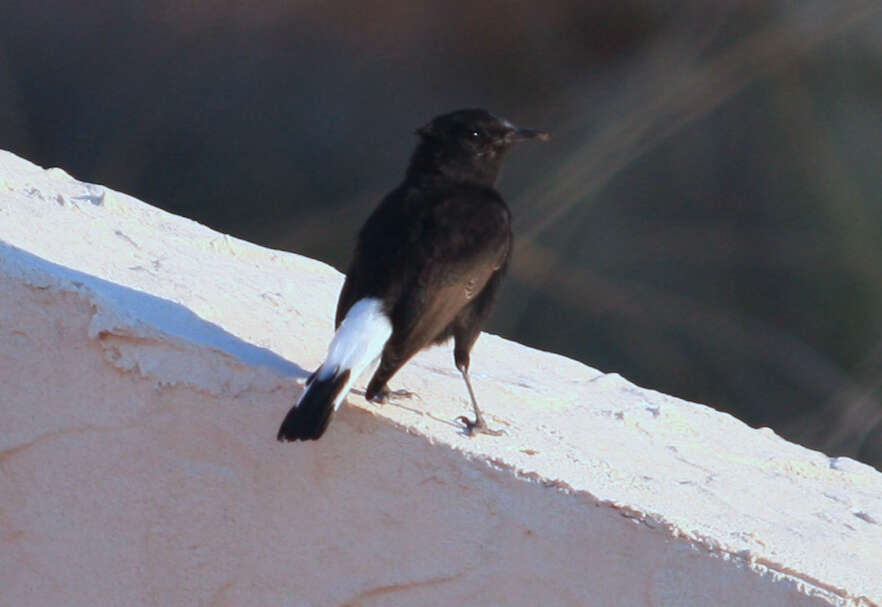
357	344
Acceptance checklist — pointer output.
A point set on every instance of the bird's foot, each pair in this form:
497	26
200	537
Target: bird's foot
385	394
479	426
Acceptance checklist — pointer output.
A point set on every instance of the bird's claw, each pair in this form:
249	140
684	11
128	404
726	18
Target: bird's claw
384	395
477	427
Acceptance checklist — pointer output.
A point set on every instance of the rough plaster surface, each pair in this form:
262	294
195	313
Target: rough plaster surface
146	361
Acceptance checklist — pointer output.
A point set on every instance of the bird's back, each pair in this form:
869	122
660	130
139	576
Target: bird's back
422	232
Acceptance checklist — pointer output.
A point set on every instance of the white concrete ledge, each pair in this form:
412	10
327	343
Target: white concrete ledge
146	362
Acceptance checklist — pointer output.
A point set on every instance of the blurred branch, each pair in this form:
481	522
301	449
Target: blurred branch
670	101
851	223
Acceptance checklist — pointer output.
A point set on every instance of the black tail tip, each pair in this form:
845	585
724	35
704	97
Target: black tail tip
293	432
309	418
302	424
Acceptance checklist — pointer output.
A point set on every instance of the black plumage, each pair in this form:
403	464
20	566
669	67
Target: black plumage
432	254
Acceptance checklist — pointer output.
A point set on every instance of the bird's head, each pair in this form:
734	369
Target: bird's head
468	145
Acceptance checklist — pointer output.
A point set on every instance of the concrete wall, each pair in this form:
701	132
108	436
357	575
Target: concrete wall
146	362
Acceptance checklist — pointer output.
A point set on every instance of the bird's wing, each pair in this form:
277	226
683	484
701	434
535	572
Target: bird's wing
378	263
348	296
464	241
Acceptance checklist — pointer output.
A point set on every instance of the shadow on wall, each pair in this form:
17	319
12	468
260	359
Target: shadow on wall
131	313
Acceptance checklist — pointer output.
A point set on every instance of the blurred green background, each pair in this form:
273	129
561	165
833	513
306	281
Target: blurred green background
707	220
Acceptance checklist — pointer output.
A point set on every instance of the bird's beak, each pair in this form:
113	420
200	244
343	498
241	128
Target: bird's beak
518	134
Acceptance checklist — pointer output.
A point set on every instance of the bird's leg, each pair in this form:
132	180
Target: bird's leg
377	391
479	425
385	394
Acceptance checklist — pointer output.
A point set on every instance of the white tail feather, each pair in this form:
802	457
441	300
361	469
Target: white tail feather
357	344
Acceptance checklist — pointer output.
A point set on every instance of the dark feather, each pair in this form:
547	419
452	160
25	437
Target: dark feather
309	419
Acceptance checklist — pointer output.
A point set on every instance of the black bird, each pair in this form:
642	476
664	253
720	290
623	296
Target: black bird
426	267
